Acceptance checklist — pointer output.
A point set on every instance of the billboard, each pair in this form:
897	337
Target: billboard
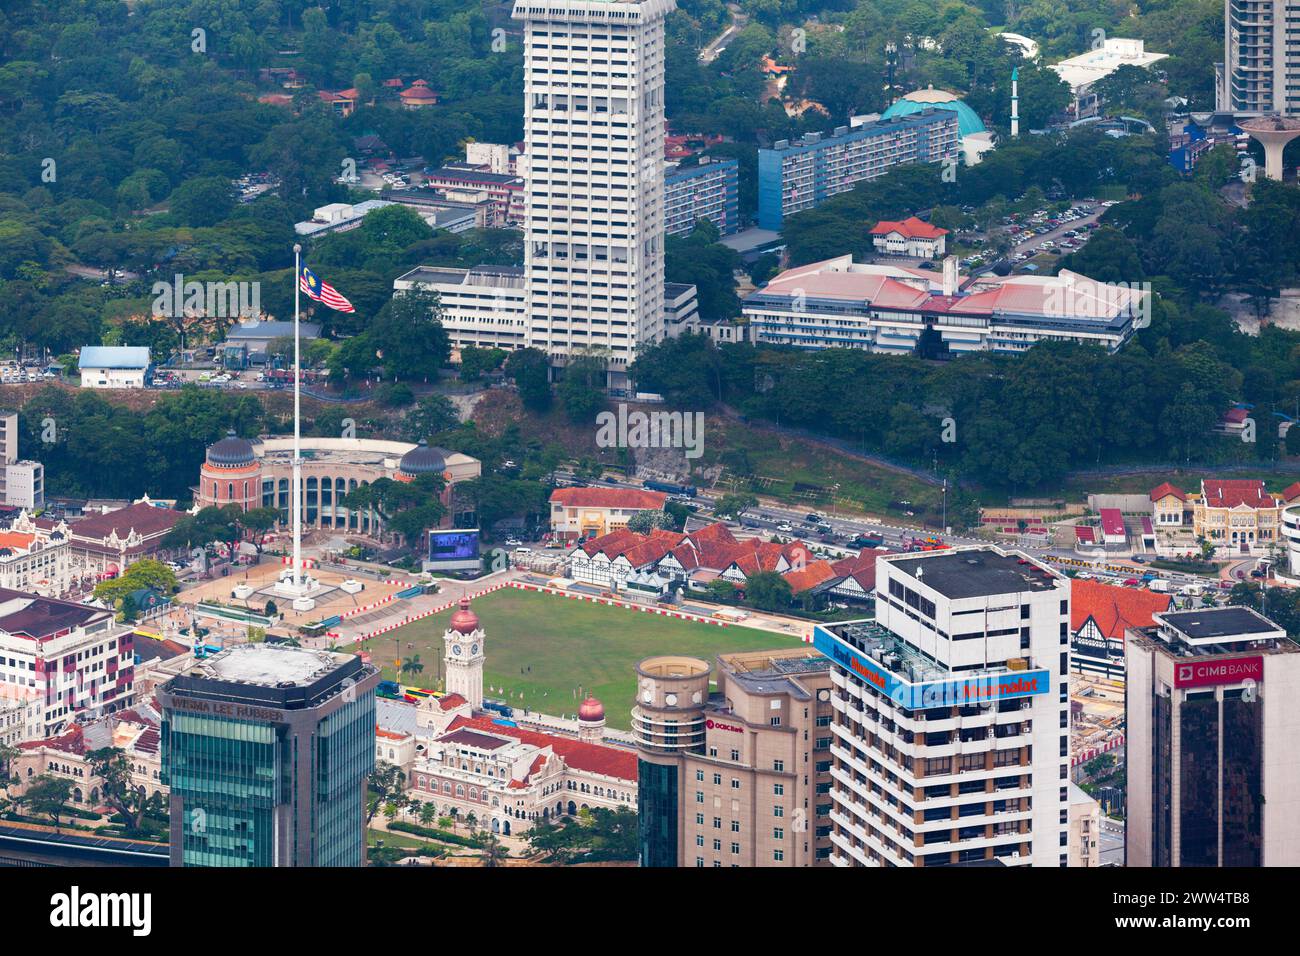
453	549
1210	671
958	691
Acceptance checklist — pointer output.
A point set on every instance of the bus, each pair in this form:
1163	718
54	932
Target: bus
686	491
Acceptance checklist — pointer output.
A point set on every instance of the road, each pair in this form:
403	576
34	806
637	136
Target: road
774	518
1110	842
714	49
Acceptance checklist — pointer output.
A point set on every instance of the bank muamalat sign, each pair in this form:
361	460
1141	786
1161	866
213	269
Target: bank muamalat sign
1210	671
984	688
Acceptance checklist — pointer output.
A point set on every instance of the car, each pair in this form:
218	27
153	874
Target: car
523	550
785	526
1139	559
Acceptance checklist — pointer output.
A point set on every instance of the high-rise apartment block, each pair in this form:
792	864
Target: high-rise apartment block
1261	68
951	731
1212	720
739	776
594	176
796	176
708	190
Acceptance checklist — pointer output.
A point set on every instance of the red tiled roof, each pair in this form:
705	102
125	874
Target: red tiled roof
1112	521
1221	493
861	567
1291	492
1084	533
1113	608
450	701
634	499
911	228
144	518
592	758
1235	416
810	576
72	741
1166	489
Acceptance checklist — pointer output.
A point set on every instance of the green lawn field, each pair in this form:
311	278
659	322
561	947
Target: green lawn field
553	650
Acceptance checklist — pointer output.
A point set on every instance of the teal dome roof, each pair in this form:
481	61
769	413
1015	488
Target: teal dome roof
967	120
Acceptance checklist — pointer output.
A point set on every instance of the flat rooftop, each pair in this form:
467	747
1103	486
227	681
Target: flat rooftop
1220	624
274	675
269	665
774	672
975	572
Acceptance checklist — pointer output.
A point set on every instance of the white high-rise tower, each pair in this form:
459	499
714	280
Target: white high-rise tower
594	194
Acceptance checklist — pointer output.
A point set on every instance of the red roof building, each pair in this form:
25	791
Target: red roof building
1224	493
1100	614
418	96
578	513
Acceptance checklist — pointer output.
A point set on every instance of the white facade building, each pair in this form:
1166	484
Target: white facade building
78	661
594	173
951	734
482	307
114	366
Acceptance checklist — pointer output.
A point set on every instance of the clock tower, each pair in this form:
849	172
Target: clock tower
463	655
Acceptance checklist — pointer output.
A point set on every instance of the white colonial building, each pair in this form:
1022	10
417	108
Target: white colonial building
465	761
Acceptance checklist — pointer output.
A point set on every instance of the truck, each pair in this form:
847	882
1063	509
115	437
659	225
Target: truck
686	491
1159	585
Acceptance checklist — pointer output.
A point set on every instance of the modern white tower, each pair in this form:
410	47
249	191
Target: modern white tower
594	193
1261	58
463	655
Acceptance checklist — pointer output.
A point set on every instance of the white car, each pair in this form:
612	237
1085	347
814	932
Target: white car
523	550
785	526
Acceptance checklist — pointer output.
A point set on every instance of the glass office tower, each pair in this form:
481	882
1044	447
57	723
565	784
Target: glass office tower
266	749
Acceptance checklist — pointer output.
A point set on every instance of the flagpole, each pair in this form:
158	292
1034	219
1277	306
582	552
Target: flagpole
296	497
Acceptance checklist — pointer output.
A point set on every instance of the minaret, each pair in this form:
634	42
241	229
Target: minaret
591	721
1015	102
463	655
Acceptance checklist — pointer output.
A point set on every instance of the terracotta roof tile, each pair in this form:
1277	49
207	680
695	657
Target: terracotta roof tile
592	758
1114	609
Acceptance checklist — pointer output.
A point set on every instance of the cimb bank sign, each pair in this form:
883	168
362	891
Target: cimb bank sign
960	692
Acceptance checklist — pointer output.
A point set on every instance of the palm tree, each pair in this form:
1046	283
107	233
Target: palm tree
411	665
428	813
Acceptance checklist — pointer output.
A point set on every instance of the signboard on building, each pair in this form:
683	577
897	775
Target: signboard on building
1212	671
961	691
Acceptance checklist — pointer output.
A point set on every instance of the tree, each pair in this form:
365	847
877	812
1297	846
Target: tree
475	361
582	387
113	767
145	573
643	522
411	665
492	852
768	591
408	336
433	415
259	521
386	783
47	796
734	505
528	368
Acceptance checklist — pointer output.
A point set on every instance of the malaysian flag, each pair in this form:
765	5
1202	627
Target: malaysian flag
322	292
